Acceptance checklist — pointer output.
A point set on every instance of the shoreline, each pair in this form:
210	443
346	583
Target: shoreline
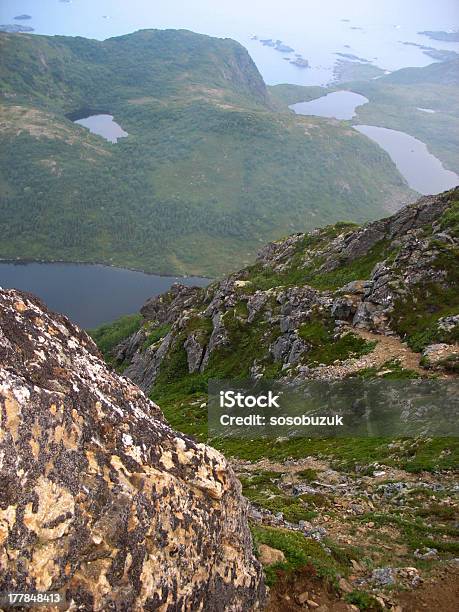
26	261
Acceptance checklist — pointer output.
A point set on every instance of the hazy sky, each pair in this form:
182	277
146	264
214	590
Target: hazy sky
315	28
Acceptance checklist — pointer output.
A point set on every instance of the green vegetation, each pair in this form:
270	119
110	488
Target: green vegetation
210	169
364	601
325	349
299	553
390	370
416	316
299	272
346	71
286	94
156	334
416	533
109	335
263	490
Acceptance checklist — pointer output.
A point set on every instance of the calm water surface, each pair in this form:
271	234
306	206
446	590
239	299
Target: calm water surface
338	104
104	126
89	294
423	171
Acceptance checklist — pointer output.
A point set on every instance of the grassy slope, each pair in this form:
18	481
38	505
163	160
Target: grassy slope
210	169
182	395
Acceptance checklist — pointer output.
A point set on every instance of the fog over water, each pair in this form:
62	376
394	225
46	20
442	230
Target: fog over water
373	30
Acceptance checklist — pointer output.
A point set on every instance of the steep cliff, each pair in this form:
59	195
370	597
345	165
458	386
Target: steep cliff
99	498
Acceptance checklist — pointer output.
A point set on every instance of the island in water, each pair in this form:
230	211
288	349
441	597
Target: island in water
354	58
278	45
14	28
441	55
300	61
441	35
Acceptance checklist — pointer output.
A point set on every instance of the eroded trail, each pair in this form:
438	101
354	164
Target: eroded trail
390	348
387	349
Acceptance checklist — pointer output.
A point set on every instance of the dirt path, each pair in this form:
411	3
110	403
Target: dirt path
387	348
391	347
438	594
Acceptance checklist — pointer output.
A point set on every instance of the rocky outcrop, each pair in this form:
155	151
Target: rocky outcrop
168	307
99	498
290	303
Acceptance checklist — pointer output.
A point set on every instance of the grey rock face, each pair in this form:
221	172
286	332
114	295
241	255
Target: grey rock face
144	366
255	303
217	338
194	352
169	306
343	308
281	348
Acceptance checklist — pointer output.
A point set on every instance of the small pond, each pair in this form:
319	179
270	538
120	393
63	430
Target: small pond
337	105
103	125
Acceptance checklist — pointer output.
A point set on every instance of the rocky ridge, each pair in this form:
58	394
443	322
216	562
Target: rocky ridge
99	498
393	277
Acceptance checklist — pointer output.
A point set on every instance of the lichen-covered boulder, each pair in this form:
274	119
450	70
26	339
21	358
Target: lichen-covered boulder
99	498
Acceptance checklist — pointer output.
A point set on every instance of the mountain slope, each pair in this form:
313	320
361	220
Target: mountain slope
396	276
208	172
375	302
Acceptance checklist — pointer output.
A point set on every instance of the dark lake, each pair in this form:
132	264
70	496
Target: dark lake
103	125
89	294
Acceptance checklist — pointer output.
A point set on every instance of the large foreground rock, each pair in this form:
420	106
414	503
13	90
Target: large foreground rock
99	497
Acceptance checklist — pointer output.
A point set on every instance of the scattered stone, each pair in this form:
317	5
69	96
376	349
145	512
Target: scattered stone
269	556
429	553
383	576
345	586
302	598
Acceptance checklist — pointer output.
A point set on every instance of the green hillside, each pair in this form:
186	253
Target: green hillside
210	169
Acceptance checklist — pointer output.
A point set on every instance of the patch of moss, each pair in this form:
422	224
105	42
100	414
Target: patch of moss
415	533
390	370
263	491
299	552
449	221
309	474
318	333
156	334
364	601
297	273
415	316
